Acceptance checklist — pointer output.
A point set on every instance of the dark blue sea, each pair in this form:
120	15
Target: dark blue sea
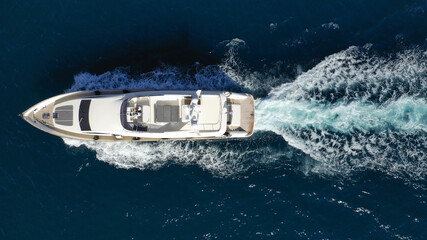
339	151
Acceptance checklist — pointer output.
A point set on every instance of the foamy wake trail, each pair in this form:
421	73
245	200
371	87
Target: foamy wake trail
157	154
221	158
351	112
405	114
354	111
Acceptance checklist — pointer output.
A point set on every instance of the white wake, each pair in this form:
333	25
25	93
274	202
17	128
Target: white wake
354	111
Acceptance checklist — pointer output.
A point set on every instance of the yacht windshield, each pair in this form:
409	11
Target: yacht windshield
84	115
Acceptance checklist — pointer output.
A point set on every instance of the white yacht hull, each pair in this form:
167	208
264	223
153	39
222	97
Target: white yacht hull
145	115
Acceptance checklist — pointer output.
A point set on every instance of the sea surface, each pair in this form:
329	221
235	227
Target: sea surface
339	151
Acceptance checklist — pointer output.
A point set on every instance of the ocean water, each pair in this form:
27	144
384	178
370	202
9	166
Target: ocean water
339	151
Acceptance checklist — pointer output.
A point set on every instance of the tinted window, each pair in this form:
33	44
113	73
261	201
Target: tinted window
84	115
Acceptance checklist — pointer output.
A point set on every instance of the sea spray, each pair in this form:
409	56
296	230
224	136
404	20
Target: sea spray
164	77
355	111
221	158
405	114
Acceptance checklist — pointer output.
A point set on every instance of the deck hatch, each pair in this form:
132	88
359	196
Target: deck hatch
84	115
64	115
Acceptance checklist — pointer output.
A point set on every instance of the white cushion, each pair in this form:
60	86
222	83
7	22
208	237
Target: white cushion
146	113
235	117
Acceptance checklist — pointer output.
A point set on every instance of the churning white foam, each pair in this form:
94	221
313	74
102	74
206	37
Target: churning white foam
405	114
355	73
218	157
354	111
154	155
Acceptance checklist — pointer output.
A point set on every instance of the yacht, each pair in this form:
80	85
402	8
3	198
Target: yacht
145	115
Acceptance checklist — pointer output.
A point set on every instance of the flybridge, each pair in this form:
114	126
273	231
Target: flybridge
172	113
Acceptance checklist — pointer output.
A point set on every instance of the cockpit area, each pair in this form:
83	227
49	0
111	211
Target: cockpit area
136	113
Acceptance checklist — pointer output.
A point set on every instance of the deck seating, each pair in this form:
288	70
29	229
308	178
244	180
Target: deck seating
166	113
